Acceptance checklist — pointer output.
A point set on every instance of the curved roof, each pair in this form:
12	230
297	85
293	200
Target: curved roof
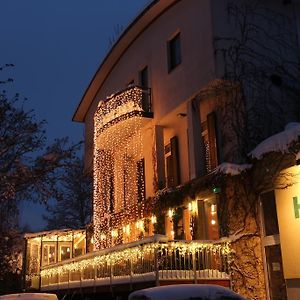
139	24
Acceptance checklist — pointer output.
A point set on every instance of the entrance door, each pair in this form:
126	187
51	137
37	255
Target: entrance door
272	252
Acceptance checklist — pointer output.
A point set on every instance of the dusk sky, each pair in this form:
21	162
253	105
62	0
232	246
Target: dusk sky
56	46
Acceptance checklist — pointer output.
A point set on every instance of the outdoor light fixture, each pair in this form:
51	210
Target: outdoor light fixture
170	213
193	207
213	209
153	219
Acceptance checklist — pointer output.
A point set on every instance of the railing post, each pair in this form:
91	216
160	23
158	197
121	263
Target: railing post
111	277
131	273
156	264
194	266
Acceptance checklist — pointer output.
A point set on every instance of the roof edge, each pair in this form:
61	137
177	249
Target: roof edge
132	31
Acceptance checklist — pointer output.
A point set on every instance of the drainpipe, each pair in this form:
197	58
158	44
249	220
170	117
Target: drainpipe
41	260
24	265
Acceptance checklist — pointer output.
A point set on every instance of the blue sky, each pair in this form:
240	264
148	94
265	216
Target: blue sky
56	47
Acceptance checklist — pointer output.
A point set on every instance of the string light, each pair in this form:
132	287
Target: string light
193	207
170	213
117	149
153	219
135	253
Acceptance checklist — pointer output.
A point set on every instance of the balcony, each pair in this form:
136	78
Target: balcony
153	260
122	114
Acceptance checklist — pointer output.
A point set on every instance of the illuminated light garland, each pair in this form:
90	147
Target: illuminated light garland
193	207
117	149
135	253
153	219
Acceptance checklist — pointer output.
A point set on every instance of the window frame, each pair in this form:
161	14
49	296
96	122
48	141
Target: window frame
174	52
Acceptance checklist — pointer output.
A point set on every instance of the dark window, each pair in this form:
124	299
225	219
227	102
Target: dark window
269	213
172	163
144	77
174	52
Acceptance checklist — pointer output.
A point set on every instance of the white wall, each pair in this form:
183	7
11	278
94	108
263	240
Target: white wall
193	19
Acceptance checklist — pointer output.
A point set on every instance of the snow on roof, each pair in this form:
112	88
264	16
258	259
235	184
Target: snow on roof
279	142
232	169
51	232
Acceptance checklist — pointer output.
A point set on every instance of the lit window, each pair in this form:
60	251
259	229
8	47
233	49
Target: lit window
174	52
204	219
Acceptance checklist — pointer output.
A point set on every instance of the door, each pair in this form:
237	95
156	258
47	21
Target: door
271	247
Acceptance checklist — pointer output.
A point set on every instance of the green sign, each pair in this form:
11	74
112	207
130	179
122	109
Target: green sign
296	207
216	190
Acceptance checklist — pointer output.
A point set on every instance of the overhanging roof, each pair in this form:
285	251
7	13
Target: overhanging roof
140	23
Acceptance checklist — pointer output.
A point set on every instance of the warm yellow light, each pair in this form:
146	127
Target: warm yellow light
114	233
153	219
213	222
117	154
135	254
213	209
139	225
102	237
170	213
193	207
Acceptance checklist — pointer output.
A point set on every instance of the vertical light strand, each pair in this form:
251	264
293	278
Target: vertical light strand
117	148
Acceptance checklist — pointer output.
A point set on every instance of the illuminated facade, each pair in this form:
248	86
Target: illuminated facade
174	201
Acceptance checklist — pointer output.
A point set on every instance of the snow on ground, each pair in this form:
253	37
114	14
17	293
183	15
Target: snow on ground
279	142
232	169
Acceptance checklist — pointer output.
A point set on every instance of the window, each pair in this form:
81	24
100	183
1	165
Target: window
65	252
172	163
49	254
269	214
204	219
209	135
174	52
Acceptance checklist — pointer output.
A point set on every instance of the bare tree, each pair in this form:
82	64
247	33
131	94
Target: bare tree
73	206
29	169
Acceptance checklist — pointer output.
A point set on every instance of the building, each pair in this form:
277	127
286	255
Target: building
170	117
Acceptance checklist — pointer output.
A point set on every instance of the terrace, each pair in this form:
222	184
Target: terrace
151	261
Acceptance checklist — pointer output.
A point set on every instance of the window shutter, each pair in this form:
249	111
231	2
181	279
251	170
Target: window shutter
175	160
212	139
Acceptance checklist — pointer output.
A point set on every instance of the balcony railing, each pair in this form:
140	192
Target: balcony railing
152	259
123	105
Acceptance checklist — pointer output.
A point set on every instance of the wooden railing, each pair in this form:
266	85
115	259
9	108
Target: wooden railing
151	259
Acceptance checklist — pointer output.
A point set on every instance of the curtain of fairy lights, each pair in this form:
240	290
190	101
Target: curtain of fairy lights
117	149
